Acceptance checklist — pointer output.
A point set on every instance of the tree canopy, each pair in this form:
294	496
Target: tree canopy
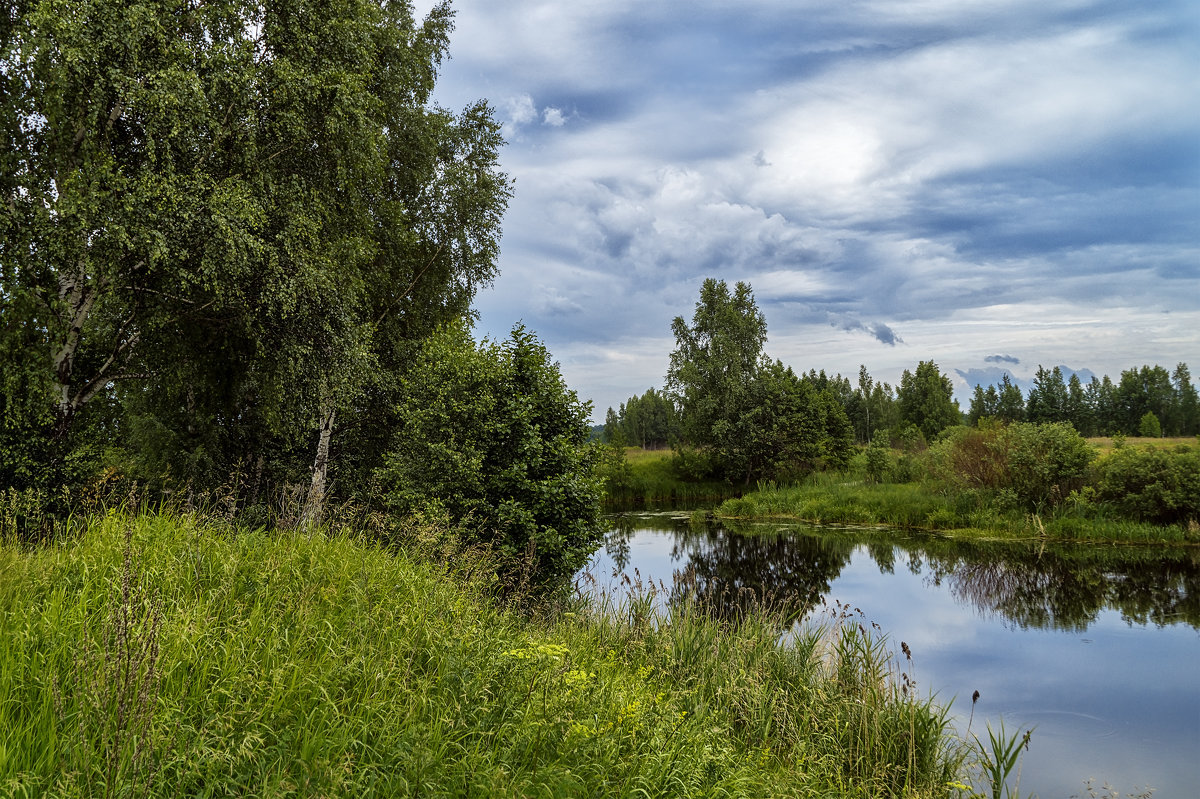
926	400
492	438
755	415
225	225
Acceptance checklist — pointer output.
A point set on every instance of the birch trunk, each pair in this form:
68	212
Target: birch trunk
74	291
314	506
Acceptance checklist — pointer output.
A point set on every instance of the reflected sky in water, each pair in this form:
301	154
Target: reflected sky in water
1096	647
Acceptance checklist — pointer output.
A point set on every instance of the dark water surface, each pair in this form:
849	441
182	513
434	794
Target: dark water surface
1097	647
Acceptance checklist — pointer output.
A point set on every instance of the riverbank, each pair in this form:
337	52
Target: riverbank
171	656
1112	501
841	498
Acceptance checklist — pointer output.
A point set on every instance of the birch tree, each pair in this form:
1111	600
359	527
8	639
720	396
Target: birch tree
229	216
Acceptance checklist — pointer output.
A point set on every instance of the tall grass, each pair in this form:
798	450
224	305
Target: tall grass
165	656
845	498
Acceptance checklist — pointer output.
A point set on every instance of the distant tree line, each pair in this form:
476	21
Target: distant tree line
757	418
650	421
1146	401
752	417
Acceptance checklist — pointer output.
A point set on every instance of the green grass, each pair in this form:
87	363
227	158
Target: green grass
649	477
165	656
836	497
1105	444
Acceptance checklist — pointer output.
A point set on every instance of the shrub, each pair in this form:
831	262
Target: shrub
492	438
1149	426
691	464
1046	462
879	460
1153	485
1034	464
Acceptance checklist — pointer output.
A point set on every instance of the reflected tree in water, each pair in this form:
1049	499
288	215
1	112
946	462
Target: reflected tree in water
1068	587
731	572
1030	585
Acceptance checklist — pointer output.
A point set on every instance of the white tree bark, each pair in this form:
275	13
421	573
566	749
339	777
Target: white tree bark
314	505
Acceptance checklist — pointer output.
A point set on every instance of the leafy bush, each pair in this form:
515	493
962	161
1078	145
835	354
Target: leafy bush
1149	426
1034	464
492	438
1154	485
1046	462
692	464
879	460
613	468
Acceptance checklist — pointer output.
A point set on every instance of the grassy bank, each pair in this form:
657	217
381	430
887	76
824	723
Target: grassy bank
165	656
849	498
651	476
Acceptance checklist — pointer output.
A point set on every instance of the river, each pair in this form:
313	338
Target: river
1095	647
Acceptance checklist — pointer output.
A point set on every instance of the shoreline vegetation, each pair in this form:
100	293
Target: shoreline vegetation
923	491
169	654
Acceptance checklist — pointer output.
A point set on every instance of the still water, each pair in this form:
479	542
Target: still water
1096	647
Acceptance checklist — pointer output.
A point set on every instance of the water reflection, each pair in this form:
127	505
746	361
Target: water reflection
1119	702
1032	584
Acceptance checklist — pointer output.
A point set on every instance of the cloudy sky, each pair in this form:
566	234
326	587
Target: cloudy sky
986	183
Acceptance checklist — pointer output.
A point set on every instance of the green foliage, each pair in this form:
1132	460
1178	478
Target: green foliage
1046	462
755	417
1010	403
788	429
613	468
1048	399
650	421
1040	464
909	439
491	437
926	400
998	761
715	360
1149	426
225	225
635	477
878	459
1155	485
691	464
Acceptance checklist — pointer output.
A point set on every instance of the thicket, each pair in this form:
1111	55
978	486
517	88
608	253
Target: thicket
494	441
1033	466
1154	485
752	417
228	231
227	227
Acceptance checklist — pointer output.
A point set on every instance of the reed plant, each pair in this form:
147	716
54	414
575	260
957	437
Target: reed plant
319	663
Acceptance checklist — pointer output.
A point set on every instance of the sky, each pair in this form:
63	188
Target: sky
989	184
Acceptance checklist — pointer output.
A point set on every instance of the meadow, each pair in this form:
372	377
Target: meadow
168	654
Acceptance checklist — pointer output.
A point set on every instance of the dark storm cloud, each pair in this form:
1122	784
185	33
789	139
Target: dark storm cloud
1002	359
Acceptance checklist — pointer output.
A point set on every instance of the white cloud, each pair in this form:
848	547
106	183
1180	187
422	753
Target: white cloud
892	170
